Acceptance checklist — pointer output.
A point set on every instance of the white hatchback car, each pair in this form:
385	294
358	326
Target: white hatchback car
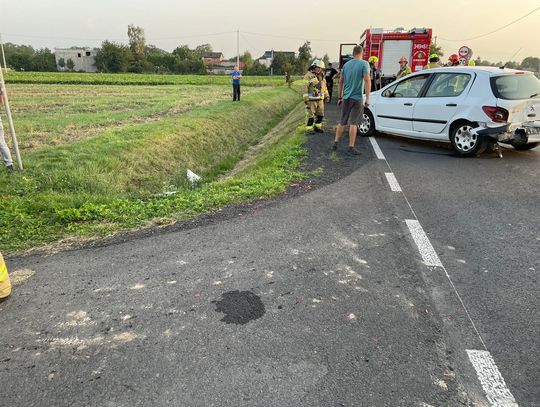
470	107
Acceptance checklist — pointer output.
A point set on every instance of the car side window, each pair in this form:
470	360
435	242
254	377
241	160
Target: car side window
411	87
448	84
389	92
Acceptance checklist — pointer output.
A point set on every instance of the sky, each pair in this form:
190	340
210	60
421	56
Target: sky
276	24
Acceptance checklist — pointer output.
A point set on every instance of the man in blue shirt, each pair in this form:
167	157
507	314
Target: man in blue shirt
354	74
236	75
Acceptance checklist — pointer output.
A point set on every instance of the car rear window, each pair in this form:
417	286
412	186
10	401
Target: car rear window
513	87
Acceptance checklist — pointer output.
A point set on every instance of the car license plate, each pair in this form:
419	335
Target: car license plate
531	130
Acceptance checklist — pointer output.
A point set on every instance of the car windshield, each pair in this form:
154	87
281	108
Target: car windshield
513	87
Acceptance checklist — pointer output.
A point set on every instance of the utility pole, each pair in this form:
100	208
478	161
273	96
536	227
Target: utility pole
238	49
272	63
10	120
3	53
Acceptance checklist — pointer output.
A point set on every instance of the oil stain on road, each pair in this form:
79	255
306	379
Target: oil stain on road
240	307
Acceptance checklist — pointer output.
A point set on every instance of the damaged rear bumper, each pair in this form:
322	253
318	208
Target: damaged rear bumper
514	133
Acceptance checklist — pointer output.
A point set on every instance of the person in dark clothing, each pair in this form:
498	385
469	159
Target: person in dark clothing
236	75
329	74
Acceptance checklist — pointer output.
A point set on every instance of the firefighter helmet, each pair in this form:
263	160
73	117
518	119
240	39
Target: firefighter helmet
317	62
403	59
434	57
454	59
373	59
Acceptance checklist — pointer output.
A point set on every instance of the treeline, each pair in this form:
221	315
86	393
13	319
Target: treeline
527	64
27	58
139	57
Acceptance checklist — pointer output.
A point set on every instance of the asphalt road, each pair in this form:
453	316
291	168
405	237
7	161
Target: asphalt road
321	298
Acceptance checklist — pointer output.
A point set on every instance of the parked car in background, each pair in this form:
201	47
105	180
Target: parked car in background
470	107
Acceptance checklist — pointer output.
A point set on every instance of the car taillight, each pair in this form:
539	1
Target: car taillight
497	114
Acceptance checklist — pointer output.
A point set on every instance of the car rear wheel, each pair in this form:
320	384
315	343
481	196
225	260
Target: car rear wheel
465	143
525	147
367	127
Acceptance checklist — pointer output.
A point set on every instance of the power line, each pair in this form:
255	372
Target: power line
117	39
494	31
291	38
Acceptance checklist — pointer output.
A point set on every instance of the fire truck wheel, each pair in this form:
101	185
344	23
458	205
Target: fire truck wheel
367	127
525	147
464	142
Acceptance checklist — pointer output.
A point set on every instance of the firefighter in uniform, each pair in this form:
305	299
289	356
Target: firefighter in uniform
5	284
404	68
376	74
433	62
453	60
315	96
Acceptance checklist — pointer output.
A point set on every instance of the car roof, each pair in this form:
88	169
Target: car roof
486	70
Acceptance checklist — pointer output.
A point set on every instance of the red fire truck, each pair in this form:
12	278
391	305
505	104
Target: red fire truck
389	46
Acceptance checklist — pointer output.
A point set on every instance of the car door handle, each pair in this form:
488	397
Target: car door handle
451	104
407	104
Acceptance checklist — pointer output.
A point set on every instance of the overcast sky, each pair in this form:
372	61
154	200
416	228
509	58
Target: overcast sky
168	23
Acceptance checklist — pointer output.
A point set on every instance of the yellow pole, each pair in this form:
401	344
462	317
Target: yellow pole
5	283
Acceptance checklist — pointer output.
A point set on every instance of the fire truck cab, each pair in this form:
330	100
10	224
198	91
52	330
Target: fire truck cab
389	46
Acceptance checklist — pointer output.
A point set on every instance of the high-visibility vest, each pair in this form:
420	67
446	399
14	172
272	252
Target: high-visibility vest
403	72
315	87
433	65
5	283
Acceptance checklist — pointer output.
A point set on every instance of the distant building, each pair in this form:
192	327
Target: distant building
224	68
212	58
84	59
268	56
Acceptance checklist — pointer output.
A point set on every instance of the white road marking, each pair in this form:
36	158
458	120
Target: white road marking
488	374
392	181
424	245
377	149
491	379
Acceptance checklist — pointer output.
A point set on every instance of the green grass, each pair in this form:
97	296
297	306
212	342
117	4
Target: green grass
117	178
135	79
51	114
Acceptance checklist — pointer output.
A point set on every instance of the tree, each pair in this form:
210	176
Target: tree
436	49
256	69
304	57
19	57
70	65
326	60
282	63
531	64
188	61
62	63
201	49
137	45
43	61
113	57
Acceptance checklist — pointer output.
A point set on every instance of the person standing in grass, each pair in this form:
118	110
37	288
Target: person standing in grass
354	74
4	150
236	75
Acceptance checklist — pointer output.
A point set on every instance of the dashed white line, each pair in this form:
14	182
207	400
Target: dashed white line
488	374
393	182
377	149
424	245
491	379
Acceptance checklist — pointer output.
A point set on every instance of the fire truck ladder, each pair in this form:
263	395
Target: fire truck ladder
375	47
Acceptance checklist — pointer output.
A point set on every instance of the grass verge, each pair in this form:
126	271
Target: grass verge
117	181
82	78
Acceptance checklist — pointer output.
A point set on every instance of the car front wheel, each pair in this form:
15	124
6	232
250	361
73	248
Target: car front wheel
465	143
367	127
525	147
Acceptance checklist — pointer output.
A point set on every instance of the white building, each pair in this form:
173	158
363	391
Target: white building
84	59
268	56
